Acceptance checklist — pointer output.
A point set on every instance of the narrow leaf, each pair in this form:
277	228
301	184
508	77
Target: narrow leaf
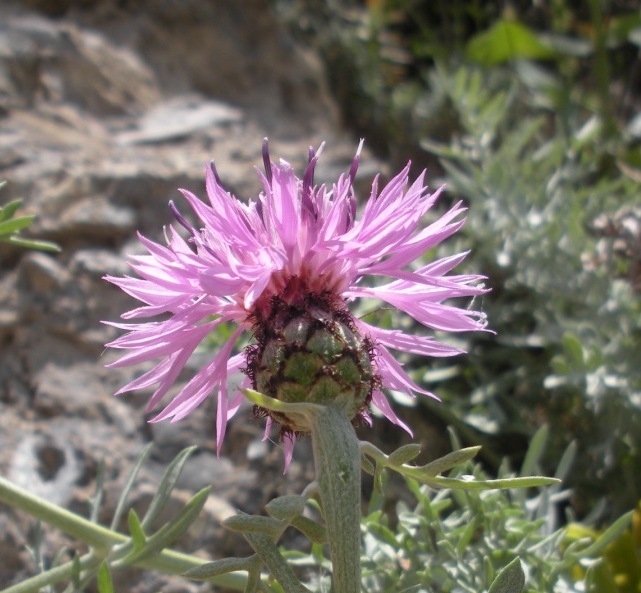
286	507
449	461
467	535
167	484
32	244
367	466
13	225
218	567
254	524
567	460
75	572
8	210
169	532
535	451
136	530
120	509
105	584
385	535
607	537
315	532
574	350
471	483
404	454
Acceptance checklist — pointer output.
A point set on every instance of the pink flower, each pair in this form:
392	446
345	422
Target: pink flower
295	239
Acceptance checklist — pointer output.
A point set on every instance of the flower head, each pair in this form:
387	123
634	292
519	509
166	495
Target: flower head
284	269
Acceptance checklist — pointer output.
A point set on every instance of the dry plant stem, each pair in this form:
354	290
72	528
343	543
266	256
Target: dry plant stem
338	472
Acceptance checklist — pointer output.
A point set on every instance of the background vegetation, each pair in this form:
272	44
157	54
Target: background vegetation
529	112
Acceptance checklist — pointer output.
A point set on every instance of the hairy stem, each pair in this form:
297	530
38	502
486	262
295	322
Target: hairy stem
338	472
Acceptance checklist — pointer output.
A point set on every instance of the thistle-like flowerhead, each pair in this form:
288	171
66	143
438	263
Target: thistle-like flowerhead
284	268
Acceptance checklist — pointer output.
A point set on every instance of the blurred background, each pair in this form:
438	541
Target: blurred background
528	110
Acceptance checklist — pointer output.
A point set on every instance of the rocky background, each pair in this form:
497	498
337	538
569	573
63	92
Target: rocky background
106	108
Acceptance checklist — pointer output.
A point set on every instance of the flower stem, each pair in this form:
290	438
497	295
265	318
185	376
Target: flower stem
338	472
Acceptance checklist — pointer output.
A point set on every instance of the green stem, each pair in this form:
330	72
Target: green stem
94	535
101	539
338	472
53	575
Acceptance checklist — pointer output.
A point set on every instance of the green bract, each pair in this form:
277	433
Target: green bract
311	352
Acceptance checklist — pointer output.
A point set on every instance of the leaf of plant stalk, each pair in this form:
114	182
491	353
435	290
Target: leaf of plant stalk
367	466
510	580
13	225
255	524
222	566
167	484
606	538
505	41
315	532
472	483
136	530
75	572
454	439
535	451
567	460
9	209
466	536
32	244
120	509
404	454
286	507
385	534
103	578
169	532
447	462
574	350
300	411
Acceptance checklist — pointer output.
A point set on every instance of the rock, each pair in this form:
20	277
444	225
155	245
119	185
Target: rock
47	467
96	263
41	274
12	547
95	217
178	119
40	58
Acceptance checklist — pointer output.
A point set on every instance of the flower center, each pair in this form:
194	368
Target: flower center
309	350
